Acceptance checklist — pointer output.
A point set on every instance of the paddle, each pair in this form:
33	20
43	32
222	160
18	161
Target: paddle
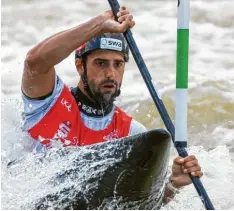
160	106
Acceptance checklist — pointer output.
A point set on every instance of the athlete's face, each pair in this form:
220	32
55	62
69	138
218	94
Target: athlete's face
105	71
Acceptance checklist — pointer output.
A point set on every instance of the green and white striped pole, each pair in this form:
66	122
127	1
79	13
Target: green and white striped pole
182	74
182	93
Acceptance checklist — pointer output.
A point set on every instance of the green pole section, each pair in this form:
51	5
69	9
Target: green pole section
182	58
182	74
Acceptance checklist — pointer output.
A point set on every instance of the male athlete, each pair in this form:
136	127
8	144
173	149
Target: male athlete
86	114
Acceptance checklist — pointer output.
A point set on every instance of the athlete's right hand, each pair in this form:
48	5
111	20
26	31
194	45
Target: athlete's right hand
110	25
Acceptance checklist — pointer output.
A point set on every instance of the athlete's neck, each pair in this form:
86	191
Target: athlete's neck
89	106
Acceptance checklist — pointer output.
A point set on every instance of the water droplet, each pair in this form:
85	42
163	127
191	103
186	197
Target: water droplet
148	115
30	105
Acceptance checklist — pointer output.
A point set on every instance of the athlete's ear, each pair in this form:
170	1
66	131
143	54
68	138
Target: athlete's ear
79	66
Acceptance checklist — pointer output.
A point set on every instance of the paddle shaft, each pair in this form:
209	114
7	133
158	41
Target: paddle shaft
159	104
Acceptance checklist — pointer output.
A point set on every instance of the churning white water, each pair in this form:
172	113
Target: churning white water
211	85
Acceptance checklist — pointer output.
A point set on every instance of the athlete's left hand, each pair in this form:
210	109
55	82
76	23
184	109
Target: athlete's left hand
182	167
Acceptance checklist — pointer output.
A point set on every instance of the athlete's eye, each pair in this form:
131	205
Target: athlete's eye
102	63
118	64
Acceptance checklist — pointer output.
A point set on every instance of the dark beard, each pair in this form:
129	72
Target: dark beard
104	99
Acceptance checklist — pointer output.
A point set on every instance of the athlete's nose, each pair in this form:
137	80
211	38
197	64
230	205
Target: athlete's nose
110	72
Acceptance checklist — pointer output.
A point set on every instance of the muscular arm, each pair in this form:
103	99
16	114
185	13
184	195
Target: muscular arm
39	73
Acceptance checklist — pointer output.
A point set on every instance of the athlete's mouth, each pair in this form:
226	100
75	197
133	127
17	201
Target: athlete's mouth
109	85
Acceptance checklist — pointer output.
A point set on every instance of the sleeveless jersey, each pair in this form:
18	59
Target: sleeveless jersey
63	123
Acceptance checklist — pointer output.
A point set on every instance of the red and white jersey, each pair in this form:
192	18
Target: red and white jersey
63	122
59	118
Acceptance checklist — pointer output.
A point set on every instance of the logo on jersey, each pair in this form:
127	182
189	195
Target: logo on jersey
90	110
63	130
112	136
110	43
61	135
66	104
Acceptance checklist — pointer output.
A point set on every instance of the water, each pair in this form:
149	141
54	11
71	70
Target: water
211	79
